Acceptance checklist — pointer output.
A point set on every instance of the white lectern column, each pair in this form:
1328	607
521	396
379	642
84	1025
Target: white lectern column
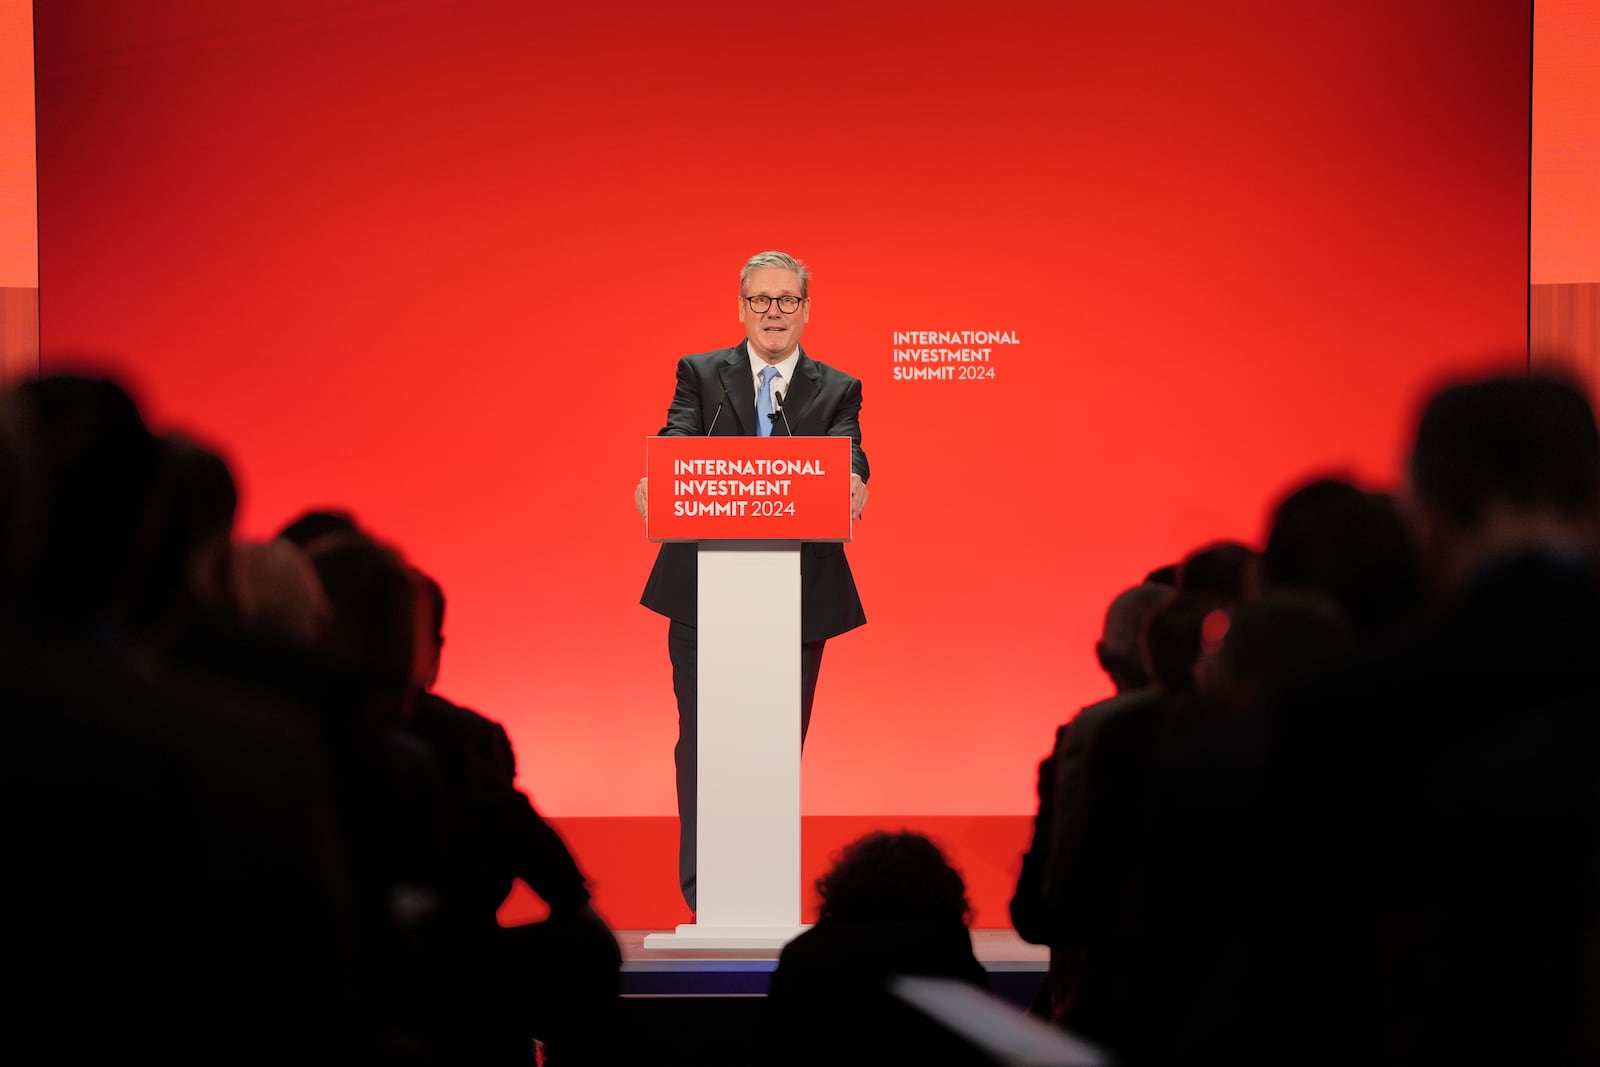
747	878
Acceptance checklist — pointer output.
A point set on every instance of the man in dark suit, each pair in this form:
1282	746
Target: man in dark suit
717	394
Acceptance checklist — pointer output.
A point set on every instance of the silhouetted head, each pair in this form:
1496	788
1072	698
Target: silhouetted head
1330	535
430	627
307	526
1180	630
1224	568
888	876
372	628
1166	574
99	462
279	593
1118	647
189	567
1503	465
1276	639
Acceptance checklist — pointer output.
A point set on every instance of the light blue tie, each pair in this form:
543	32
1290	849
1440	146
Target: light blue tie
764	402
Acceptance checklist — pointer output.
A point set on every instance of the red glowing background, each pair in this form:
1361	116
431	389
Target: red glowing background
434	262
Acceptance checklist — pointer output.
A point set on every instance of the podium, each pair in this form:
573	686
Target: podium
748	502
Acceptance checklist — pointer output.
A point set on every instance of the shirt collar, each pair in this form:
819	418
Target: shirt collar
785	368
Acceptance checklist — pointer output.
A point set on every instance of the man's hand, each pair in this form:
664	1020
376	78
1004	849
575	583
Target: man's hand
858	495
641	498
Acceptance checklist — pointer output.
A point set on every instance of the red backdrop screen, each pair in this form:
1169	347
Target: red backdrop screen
434	262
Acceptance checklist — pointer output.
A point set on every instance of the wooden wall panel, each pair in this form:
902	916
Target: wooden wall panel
19	334
1564	329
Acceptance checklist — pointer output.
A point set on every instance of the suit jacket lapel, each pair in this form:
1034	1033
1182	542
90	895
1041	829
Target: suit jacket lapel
741	387
740	383
802	391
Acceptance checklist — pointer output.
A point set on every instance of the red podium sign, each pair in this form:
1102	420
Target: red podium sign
748	488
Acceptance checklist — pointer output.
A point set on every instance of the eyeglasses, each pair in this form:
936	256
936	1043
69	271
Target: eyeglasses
786	304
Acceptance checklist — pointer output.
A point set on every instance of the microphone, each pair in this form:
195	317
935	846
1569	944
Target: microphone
777	409
722	402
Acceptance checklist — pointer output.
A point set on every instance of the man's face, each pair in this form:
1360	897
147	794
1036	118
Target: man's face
773	334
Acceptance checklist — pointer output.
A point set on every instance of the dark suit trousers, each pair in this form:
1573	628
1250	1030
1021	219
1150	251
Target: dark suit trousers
683	648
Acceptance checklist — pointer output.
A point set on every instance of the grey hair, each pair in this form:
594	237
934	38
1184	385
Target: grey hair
778	261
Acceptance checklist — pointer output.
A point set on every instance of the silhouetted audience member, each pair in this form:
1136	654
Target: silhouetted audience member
1175	909
1277	639
1225	568
278	593
179	898
891	904
1095	865
557	980
1166	574
393	791
1429	829
1062	774
313	523
187	577
257	847
1119	650
487	747
1331	535
101	464
1180	633
374	629
1344	806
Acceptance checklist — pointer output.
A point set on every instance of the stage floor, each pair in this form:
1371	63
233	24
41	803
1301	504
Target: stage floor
632	863
1015	967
